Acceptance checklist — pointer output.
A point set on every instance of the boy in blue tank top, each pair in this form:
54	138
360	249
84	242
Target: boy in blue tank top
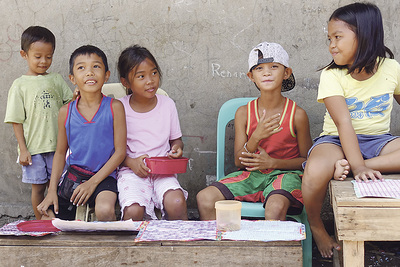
88	130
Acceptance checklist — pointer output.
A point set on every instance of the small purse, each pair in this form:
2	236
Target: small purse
73	177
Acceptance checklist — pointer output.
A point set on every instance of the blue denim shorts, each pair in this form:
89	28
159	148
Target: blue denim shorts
40	170
370	145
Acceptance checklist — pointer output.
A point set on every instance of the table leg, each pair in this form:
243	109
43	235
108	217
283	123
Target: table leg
353	253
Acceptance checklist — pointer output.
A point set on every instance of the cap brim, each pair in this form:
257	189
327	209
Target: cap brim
288	84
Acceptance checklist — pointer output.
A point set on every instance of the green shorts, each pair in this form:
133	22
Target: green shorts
257	186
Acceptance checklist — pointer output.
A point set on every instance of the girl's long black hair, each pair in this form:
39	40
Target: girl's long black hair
365	20
131	57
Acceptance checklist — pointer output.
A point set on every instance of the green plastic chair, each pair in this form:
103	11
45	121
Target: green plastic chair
250	209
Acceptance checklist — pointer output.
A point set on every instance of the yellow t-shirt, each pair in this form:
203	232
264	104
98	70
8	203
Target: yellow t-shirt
370	102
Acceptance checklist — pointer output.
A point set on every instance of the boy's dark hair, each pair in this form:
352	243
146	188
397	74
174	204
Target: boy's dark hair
87	50
365	20
131	57
35	34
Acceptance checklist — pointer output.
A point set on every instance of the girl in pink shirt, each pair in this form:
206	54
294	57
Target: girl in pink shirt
152	130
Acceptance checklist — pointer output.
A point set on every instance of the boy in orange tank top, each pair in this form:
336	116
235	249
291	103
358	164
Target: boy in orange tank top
272	137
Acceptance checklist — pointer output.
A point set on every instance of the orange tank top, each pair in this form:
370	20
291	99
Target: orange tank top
282	145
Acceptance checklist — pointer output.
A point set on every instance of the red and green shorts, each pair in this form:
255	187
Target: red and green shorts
257	186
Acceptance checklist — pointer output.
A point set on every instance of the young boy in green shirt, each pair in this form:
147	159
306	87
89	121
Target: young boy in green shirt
32	108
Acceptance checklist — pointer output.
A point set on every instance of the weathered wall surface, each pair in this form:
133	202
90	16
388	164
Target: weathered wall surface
202	48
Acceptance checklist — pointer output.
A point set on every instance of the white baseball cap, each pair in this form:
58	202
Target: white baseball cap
272	52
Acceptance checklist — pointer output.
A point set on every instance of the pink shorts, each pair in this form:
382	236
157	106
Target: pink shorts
147	192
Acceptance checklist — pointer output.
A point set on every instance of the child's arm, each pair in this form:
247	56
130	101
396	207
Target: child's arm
83	192
338	110
266	127
176	148
263	161
137	165
58	165
24	155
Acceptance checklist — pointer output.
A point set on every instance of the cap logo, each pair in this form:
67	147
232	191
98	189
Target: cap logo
265	60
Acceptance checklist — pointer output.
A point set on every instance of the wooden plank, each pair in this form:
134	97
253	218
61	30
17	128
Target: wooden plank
149	256
116	250
125	239
342	192
372	224
353	254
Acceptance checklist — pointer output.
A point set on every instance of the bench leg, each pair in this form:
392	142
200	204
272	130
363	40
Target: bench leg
353	253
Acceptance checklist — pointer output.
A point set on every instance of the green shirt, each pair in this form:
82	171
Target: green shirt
34	101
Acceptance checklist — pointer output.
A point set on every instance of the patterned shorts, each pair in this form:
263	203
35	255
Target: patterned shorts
257	186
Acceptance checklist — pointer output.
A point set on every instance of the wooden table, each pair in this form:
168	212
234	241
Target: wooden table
362	219
75	249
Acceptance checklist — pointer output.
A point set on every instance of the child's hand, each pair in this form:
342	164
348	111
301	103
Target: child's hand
267	126
50	199
138	166
82	193
363	173
176	152
256	161
25	158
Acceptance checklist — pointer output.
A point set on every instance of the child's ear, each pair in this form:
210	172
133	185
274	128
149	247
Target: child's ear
124	82
72	79
23	54
250	75
288	72
107	76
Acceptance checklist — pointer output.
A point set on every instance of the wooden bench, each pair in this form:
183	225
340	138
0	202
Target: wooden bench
95	249
362	219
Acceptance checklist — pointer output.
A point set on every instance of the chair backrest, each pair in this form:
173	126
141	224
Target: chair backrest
225	115
117	90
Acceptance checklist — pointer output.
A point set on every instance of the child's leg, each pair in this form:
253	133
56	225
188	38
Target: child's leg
135	196
388	159
37	197
170	197
317	174
105	206
276	207
206	199
283	191
104	198
134	212
175	205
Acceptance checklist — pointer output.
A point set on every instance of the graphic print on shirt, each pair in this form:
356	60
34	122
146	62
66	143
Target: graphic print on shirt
373	107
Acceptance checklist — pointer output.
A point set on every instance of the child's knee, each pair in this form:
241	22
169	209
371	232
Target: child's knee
134	212
201	197
174	198
105	212
206	198
276	207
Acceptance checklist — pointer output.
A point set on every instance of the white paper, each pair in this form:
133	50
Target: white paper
82	226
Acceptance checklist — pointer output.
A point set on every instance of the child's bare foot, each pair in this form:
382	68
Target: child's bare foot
324	242
342	168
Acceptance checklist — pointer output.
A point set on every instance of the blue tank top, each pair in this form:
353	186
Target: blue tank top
91	143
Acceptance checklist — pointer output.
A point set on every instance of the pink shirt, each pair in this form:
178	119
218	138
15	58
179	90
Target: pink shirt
150	132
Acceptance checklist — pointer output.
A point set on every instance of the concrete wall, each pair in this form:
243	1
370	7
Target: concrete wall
202	48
